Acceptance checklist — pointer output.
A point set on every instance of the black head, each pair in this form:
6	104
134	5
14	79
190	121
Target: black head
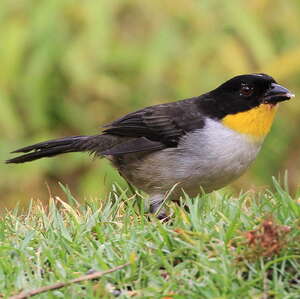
244	92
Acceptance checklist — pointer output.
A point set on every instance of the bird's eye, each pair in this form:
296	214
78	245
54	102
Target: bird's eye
246	90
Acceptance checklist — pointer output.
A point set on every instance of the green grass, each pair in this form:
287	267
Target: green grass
203	253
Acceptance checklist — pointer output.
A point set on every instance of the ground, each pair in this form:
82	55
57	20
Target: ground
224	247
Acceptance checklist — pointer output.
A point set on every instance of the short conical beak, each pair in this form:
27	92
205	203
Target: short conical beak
277	93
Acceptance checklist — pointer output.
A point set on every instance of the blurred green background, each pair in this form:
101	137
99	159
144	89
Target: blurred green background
67	67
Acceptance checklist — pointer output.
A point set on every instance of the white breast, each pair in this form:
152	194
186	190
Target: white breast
212	157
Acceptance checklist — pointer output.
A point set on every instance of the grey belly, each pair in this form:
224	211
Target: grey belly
208	159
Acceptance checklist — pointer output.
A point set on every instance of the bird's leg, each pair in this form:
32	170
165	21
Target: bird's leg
155	206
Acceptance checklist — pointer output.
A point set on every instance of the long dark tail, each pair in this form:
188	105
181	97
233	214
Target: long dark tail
93	144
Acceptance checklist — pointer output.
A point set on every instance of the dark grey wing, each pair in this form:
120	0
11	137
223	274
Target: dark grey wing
141	144
165	123
150	129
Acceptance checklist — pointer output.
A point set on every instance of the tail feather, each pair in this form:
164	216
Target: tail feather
101	145
49	144
94	144
40	154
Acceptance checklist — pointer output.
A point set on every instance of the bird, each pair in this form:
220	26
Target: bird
196	144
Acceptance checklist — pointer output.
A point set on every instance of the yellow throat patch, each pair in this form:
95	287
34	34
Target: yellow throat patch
255	122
